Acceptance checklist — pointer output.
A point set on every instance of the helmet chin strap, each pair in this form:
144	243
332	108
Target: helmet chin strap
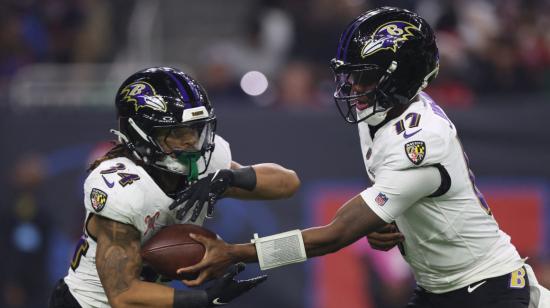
376	117
124	139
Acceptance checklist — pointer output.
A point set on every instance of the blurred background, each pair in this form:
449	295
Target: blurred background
265	67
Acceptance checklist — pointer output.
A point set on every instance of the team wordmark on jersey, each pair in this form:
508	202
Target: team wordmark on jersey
98	199
416	151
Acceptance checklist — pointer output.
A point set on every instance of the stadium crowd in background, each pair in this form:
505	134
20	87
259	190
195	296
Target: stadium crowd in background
487	46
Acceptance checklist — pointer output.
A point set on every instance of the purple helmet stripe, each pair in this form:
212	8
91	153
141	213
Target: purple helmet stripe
357	23
193	89
343	38
183	92
348	34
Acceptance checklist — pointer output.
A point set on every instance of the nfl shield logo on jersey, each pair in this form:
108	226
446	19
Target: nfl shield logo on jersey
98	199
381	199
416	151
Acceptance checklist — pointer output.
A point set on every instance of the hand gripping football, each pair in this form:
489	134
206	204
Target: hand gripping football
171	248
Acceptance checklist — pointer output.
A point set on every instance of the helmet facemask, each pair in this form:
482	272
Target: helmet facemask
180	148
183	149
359	93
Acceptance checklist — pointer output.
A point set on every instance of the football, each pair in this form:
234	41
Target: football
172	248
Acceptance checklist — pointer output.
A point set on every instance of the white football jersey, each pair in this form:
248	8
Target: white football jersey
451	240
123	191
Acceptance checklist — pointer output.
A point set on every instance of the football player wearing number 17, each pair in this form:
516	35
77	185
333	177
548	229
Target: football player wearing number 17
422	183
167	141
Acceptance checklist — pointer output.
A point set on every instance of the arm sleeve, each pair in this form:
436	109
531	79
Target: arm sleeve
395	191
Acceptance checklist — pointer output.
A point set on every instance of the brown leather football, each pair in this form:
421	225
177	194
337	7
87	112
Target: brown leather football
172	248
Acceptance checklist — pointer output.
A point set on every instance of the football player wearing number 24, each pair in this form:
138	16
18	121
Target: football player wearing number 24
423	187
167	140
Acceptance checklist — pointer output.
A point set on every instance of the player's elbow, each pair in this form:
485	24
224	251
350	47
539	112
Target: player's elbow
117	302
291	184
126	299
122	301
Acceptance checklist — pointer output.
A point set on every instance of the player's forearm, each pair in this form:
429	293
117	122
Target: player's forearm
272	182
319	241
144	294
243	253
351	222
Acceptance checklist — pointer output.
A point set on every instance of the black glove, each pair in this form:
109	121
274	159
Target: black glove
226	288
208	189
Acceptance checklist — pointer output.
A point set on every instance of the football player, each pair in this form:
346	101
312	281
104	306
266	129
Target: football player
423	185
167	140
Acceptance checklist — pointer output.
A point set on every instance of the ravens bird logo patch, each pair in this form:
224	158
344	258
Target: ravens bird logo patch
416	151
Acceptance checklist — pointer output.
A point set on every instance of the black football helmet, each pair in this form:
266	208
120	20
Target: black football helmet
385	57
158	102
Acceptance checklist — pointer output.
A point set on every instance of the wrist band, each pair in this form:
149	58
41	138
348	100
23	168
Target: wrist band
190	299
280	249
244	178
